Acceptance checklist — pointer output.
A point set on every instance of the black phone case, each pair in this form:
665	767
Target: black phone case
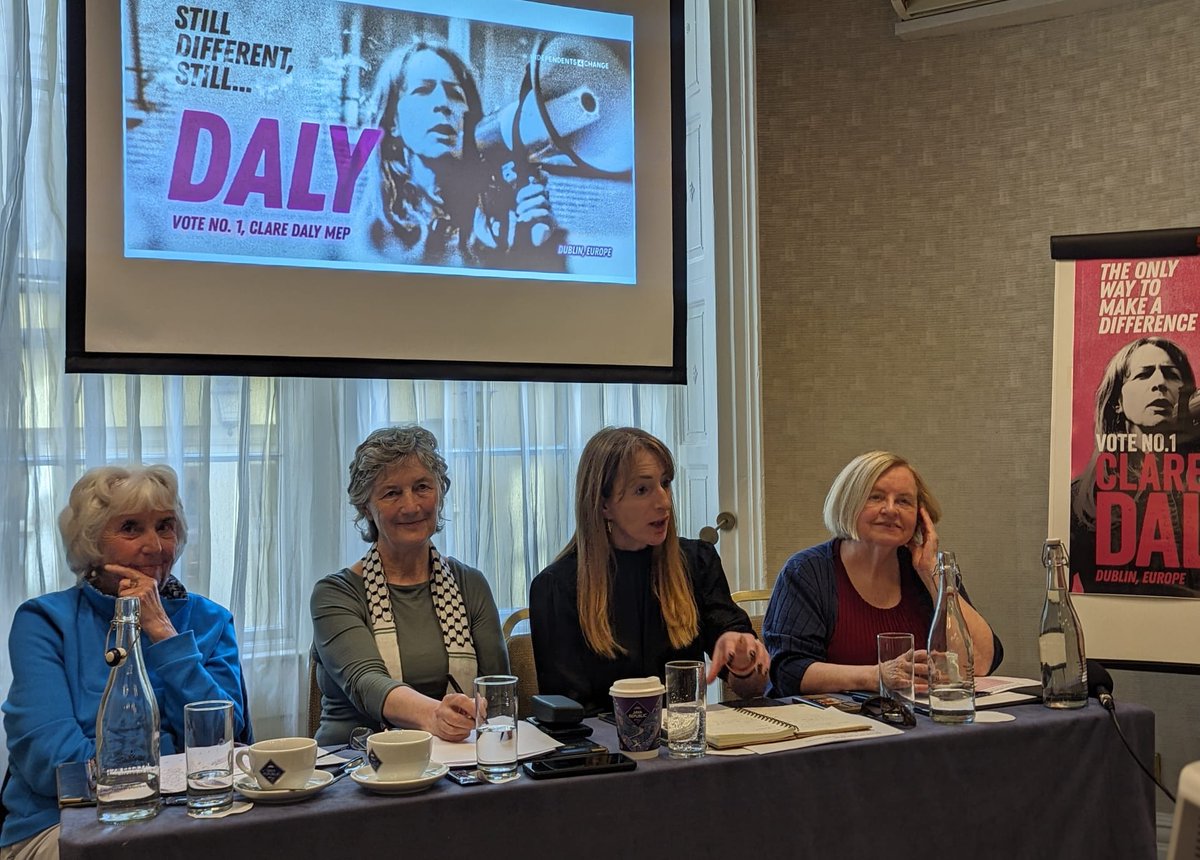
558	711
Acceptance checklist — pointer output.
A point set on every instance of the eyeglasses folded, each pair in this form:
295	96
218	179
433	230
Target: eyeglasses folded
889	710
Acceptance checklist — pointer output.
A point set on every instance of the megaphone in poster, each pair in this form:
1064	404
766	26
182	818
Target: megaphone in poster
574	113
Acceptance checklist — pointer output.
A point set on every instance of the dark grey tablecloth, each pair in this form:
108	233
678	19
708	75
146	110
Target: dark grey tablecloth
1051	784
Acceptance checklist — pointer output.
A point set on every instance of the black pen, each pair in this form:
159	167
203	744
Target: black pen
454	685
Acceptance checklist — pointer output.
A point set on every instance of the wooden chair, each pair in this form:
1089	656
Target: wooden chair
753	595
520	659
314	699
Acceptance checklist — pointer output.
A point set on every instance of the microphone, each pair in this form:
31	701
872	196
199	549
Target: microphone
1100	684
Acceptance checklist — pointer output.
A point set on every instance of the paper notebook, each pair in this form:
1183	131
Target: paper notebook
739	727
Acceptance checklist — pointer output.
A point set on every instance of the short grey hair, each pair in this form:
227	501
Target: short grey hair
112	491
383	448
848	494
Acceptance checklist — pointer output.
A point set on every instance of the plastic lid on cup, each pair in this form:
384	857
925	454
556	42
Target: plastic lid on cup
636	688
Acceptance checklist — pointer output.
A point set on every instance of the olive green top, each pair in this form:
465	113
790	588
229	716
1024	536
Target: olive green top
353	679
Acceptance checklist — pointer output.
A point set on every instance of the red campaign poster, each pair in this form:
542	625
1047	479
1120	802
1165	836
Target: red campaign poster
1135	428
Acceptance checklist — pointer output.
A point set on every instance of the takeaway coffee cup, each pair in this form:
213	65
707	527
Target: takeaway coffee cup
279	764
637	705
399	755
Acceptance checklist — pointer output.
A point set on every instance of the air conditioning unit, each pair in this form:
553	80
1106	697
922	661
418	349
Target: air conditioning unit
924	18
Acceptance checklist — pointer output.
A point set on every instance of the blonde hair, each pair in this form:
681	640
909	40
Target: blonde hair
848	494
112	491
607	457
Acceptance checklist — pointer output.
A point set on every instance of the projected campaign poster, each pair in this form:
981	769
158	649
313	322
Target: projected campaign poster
1135	428
497	140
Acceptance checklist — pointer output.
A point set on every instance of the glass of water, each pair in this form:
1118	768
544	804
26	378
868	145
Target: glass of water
897	674
208	743
685	708
496	727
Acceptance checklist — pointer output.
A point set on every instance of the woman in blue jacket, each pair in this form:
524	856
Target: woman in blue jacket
122	530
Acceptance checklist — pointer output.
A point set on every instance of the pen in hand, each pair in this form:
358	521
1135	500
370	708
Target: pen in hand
456	687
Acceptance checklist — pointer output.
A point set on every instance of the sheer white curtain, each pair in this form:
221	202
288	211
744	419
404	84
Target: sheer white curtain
262	461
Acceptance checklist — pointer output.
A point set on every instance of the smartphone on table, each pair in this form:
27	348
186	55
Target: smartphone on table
555	767
465	776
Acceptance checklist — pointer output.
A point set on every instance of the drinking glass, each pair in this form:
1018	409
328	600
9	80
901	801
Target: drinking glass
358	738
496	727
896	671
685	708
208	749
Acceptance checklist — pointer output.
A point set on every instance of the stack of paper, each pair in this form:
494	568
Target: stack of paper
993	691
531	741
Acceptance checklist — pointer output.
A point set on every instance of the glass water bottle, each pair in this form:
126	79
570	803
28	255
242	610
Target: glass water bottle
951	656
1060	644
127	726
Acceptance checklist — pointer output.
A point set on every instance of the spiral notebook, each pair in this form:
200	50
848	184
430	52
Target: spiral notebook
739	727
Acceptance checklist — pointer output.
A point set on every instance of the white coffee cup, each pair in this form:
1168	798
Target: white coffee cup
279	764
400	754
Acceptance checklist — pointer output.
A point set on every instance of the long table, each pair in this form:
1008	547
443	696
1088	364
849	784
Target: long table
1049	784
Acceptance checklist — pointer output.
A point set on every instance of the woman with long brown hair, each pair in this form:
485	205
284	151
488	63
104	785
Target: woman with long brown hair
1147	393
627	594
433	200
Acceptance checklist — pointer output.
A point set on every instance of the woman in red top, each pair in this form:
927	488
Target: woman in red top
875	576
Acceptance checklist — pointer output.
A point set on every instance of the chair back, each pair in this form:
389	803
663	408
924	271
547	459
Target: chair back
745	599
753	596
520	659
314	699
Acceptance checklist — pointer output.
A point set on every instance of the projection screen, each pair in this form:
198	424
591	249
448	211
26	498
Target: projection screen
488	189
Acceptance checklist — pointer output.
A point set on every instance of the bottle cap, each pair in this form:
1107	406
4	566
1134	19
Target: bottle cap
1053	550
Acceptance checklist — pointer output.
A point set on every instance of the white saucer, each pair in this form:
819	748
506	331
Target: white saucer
248	787
368	780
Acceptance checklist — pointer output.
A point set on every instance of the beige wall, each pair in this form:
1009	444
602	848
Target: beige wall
908	191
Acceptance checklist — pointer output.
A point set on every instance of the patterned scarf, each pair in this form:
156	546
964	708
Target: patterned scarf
172	589
447	603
